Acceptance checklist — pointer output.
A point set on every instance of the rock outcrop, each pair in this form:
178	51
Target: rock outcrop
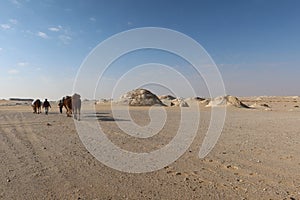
169	100
179	103
227	101
140	97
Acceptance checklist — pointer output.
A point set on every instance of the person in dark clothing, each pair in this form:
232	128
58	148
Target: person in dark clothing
46	105
60	105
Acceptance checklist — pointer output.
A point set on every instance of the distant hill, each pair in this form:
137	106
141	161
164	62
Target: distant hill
20	99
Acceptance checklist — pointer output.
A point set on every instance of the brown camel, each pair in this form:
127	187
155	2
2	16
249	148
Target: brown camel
72	105
37	104
67	103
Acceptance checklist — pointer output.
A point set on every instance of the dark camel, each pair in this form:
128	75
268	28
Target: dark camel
37	104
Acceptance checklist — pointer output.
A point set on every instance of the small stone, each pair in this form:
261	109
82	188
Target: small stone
8	180
228	166
235	167
48	124
178	173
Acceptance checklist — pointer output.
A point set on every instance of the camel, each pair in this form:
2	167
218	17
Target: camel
67	103
36	105
72	105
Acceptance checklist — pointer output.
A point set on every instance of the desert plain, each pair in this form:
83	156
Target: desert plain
256	156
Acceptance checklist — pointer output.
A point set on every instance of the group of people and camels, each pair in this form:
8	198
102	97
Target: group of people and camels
71	103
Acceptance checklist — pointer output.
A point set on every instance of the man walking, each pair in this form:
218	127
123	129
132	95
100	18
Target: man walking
60	105
46	105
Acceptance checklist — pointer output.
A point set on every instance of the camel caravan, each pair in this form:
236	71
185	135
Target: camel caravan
72	104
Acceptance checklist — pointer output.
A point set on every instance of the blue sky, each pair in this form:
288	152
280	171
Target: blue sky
255	44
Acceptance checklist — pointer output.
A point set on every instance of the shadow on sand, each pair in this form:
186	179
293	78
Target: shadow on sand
102	117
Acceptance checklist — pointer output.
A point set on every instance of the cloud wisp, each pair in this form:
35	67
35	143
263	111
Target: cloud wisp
55	28
16	2
64	33
92	19
22	64
10	25
13	21
65	39
13	71
42	35
5	26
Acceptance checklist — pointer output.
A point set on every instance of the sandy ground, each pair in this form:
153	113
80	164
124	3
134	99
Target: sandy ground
256	157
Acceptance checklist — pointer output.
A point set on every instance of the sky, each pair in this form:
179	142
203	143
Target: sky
44	43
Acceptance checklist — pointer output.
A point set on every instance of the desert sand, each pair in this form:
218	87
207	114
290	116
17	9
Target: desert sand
256	157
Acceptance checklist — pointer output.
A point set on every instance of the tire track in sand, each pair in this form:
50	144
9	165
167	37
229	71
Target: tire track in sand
22	154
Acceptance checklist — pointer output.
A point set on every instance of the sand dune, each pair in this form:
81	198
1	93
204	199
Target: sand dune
256	157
